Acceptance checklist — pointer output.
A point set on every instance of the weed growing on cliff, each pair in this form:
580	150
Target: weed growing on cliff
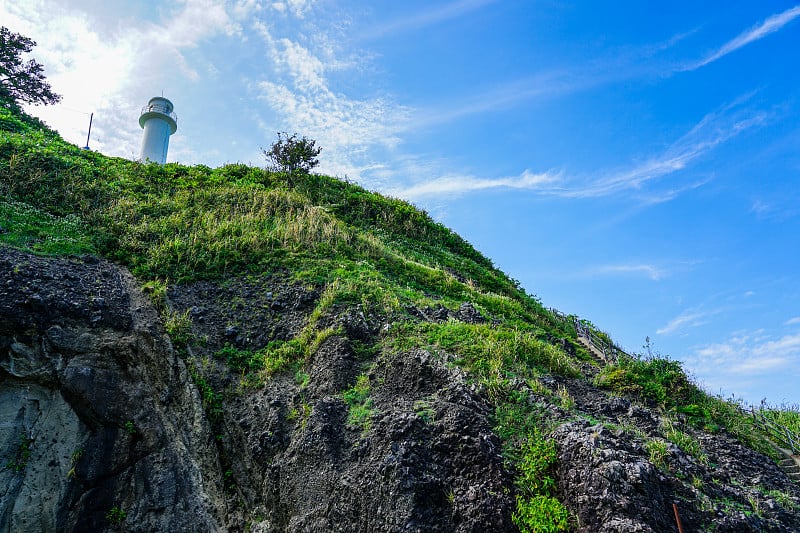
540	514
659	452
300	412
22	455
493	354
301	378
179	328
565	399
663	381
156	290
212	400
784	499
537	508
359	403
423	409
73	462
240	360
684	441
656	379
116	515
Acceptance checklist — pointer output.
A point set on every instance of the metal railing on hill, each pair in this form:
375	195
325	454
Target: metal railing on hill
610	352
781	434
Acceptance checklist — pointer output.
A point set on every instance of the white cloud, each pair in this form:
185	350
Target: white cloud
687	319
306	70
652	272
298	8
246	8
792	321
711	131
747	355
110	67
455	185
770	25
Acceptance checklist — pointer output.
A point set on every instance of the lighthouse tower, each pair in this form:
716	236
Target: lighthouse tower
159	122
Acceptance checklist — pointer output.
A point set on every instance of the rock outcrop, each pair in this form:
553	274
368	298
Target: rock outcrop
99	425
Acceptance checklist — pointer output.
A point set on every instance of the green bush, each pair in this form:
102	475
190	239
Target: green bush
537	508
540	514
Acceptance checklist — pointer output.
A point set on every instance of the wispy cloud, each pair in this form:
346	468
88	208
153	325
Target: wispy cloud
713	130
777	209
688	319
792	321
453	185
299	92
651	271
770	25
423	19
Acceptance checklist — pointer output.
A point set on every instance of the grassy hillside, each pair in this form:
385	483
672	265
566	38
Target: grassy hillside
175	224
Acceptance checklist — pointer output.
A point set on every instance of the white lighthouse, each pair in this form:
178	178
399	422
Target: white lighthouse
159	122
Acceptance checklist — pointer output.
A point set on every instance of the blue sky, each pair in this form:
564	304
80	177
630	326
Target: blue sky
635	165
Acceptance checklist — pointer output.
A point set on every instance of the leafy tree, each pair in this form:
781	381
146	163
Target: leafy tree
292	155
21	81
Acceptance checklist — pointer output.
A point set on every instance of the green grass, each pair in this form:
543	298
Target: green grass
495	355
28	228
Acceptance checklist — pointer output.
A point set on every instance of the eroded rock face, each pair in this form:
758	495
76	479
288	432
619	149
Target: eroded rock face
428	461
99	427
609	481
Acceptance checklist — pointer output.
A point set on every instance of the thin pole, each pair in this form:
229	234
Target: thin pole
91	117
677	517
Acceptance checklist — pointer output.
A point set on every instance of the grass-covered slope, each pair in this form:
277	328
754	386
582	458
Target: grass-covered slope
177	224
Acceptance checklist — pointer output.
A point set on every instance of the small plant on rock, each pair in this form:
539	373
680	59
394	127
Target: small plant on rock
659	452
178	327
73	463
565	399
20	460
423	409
116	515
359	403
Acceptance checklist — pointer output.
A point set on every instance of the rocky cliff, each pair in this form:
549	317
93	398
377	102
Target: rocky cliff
103	428
100	423
106	425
